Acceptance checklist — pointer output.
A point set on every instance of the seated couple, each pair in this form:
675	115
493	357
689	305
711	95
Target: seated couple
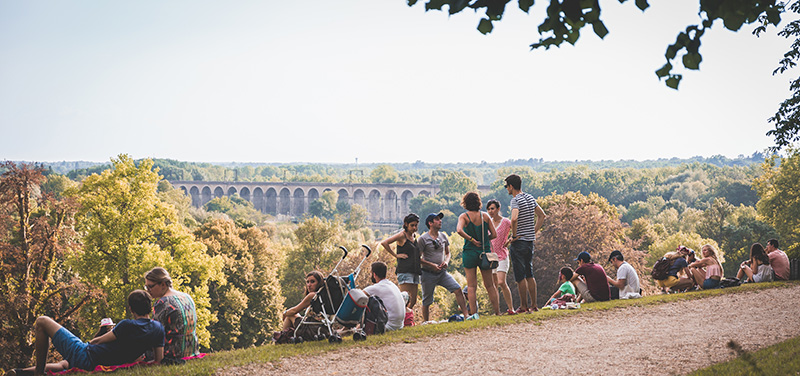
126	343
593	284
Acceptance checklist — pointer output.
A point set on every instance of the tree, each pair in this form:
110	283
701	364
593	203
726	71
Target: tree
455	184
326	206
565	18
314	250
779	192
248	301
357	218
36	236
384	174
126	231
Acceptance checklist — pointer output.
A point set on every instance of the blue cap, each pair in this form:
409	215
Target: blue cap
583	256
430	218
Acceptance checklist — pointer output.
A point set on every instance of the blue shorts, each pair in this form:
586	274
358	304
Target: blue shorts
73	349
710	284
410	278
521	254
432	279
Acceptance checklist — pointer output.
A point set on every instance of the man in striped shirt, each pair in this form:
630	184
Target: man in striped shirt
527	217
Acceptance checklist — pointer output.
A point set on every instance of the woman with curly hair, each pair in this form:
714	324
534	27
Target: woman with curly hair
478	230
708	269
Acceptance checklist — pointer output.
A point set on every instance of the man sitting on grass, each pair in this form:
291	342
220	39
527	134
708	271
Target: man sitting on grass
124	344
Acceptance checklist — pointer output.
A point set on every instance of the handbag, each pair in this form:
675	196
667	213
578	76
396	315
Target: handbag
489	260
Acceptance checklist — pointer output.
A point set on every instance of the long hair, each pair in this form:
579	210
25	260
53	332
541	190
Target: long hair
714	254
317	276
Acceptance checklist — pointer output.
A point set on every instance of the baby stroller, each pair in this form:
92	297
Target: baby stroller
336	301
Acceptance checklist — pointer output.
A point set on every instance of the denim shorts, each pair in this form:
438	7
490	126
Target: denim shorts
432	279
710	284
521	254
411	278
72	349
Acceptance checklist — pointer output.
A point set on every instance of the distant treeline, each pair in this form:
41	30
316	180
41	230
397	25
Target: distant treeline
418	172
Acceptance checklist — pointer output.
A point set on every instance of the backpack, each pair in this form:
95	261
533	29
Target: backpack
729	282
661	268
376	316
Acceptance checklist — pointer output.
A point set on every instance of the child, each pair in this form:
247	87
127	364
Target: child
566	286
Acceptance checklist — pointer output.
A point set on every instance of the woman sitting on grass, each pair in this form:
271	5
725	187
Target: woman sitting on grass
757	269
712	274
291	316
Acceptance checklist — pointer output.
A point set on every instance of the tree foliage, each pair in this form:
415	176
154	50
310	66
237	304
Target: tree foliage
36	236
779	190
313	250
126	231
248	302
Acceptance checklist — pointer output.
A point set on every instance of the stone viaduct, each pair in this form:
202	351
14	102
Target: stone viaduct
386	203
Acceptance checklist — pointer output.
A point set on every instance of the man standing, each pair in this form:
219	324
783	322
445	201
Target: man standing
627	281
434	249
389	294
590	279
527	217
778	260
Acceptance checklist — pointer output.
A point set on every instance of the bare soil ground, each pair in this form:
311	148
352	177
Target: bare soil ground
666	339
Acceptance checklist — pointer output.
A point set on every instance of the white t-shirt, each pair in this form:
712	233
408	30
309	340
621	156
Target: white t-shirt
395	306
627	273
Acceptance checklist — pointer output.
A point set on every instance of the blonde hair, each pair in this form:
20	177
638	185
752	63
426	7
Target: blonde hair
159	275
714	254
673	255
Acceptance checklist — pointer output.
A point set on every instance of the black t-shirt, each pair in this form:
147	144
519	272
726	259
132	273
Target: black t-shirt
134	337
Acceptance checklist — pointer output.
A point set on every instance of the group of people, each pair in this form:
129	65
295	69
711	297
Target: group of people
168	337
686	272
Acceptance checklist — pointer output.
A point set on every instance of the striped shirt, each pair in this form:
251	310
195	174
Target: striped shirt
526	219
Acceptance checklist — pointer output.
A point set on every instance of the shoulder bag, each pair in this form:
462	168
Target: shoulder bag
489	260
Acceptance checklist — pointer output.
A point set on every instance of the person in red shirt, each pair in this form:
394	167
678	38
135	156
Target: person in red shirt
778	260
590	280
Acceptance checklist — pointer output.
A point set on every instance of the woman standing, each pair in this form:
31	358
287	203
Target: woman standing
176	312
408	265
500	246
477	230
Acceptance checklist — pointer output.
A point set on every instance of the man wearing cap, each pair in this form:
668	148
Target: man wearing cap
527	217
590	279
434	250
627	282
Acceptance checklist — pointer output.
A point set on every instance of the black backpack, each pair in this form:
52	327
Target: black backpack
661	268
376	316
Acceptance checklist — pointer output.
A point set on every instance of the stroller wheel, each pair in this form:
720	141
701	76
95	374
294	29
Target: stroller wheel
298	340
292	340
359	336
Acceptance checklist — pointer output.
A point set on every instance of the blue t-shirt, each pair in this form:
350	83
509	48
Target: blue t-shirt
677	265
134	337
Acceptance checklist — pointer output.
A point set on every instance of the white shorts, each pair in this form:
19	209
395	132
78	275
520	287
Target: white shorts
502	266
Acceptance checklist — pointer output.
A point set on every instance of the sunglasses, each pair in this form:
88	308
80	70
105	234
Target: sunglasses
436	244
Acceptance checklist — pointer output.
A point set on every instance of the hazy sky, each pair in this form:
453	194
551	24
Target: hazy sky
332	81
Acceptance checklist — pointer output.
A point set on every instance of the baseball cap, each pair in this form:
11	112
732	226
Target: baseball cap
583	256
614	254
430	218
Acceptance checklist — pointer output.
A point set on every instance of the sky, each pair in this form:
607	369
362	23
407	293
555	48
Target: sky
370	81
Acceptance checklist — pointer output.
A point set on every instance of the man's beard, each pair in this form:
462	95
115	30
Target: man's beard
373	279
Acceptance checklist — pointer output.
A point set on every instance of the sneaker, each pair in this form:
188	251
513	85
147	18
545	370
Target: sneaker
474	316
511	312
521	310
534	309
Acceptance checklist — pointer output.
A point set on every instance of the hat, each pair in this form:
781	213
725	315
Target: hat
614	254
106	321
685	250
430	218
583	256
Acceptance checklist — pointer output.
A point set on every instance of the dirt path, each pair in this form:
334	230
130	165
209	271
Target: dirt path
672	338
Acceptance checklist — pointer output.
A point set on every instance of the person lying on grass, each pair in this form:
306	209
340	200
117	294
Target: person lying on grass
124	344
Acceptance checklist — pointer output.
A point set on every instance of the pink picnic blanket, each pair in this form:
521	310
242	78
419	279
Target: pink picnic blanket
114	368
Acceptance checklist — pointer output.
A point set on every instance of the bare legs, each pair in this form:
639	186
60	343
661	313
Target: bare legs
488	283
411	289
462	303
45	329
500	281
527	286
